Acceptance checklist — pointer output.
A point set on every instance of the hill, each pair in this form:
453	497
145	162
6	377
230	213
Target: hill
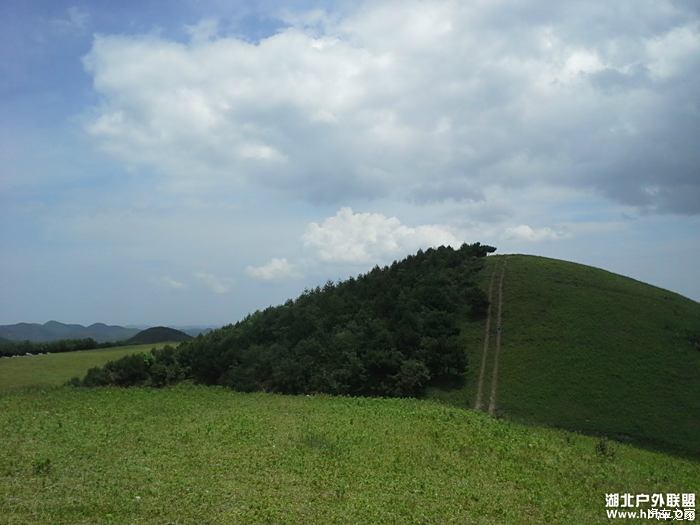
158	334
569	345
192	454
589	350
391	332
55	331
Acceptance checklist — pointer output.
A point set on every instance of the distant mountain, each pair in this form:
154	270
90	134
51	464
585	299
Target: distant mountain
194	331
53	331
159	334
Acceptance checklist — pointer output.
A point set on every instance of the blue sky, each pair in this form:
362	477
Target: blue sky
190	164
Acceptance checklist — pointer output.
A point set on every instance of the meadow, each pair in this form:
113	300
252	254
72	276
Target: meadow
591	351
582	349
56	369
195	454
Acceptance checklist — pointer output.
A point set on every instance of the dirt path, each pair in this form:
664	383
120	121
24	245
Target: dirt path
494	376
479	396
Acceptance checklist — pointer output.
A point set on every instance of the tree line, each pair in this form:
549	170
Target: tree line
390	332
12	348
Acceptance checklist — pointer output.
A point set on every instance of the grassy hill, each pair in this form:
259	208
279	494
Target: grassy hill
589	350
56	369
158	334
209	455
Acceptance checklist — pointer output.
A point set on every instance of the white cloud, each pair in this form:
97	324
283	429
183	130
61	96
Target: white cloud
169	282
274	269
524	232
216	284
75	21
669	53
349	237
203	31
392	97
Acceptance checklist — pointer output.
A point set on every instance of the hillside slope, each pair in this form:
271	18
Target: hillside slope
586	349
208	455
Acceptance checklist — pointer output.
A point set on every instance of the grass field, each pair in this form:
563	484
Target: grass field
208	455
589	350
582	349
56	369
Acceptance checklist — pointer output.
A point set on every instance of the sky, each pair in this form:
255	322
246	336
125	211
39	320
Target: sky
189	164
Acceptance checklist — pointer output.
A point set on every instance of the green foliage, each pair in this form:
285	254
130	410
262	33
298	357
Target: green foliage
605	449
412	377
158	368
390	332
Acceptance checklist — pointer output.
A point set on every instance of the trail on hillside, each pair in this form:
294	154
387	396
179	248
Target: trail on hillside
499	322
479	395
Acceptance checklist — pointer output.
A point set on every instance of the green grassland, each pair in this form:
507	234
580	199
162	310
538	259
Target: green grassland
56	369
192	454
582	349
589	350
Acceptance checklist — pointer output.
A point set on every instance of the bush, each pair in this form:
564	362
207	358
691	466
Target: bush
130	370
605	449
97	377
411	379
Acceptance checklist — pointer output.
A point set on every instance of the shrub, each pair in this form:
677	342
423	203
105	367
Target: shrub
605	448
97	377
411	379
130	370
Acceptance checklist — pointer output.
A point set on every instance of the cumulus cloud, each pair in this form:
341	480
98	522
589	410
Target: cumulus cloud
274	269
350	237
524	232
419	100
169	282
203	31
218	285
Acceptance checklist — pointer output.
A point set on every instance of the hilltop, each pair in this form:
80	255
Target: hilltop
158	334
589	350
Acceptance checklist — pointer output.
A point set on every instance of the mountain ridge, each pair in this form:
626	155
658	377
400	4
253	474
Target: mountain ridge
54	331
